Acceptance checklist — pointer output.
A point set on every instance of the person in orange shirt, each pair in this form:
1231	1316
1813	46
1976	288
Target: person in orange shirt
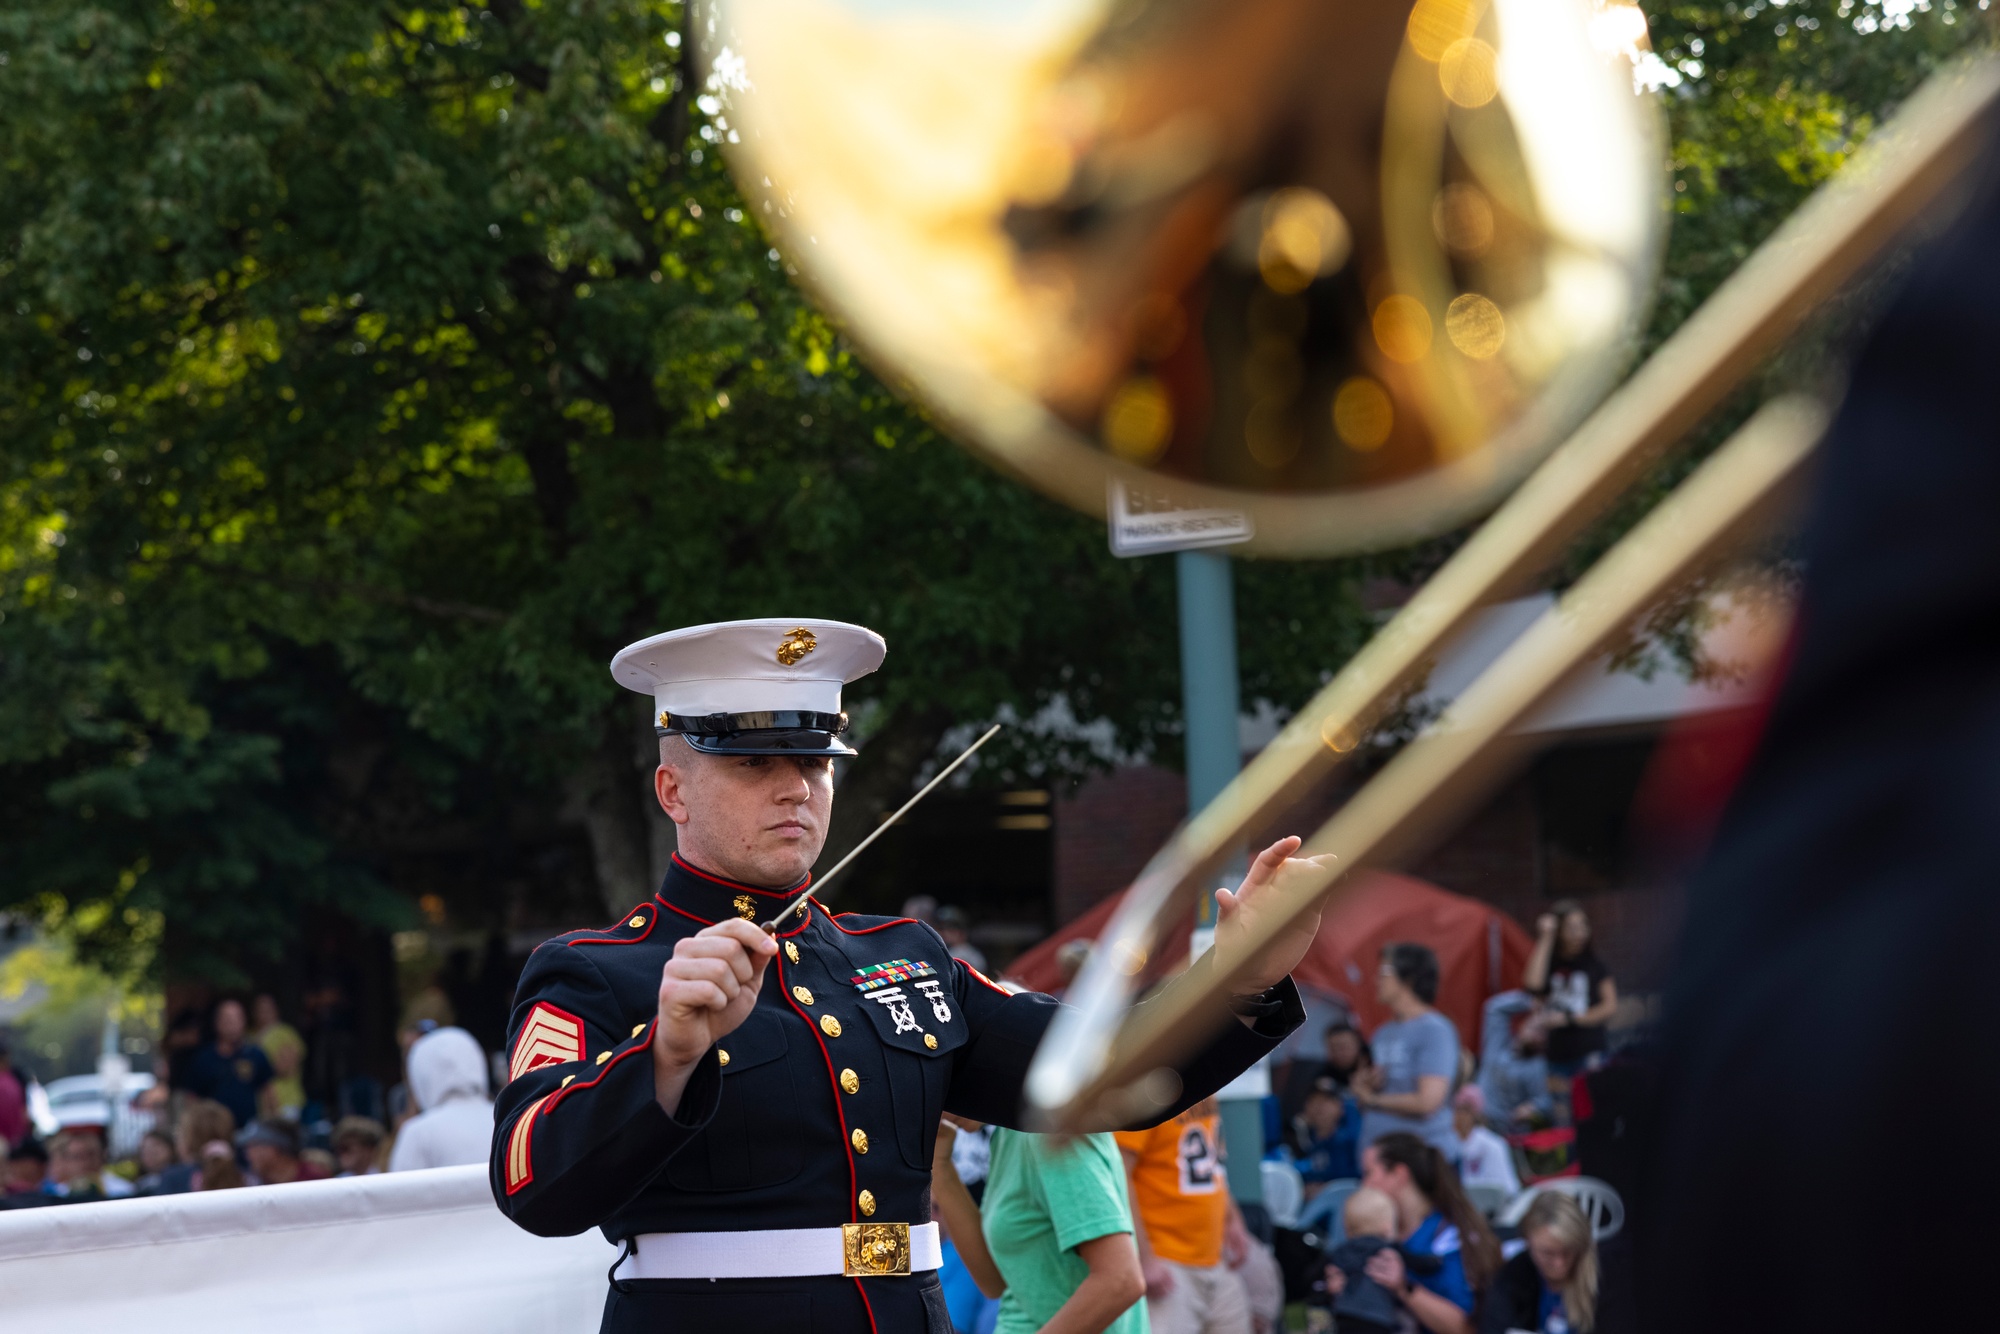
1181	1208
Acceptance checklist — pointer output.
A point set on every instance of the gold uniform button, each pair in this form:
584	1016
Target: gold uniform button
829	1025
637	921
867	1202
930	1040
860	1139
803	995
791	951
603	1056
637	1029
850	1082
721	1056
566	1079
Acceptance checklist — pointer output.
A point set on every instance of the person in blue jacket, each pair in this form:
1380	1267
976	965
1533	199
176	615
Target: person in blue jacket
1328	1135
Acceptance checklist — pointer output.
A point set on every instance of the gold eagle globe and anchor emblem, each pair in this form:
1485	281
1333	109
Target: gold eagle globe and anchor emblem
746	907
876	1250
795	646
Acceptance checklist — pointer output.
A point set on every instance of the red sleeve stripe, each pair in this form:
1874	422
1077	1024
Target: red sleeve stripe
640	1043
979	976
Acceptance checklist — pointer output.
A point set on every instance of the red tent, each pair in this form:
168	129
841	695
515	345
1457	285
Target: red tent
1480	949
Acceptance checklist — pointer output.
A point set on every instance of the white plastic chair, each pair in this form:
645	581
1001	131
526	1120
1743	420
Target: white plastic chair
1599	1201
1284	1192
1323	1212
1488	1200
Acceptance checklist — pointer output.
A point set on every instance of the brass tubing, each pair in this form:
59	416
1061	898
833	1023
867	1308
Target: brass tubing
1457	757
1900	173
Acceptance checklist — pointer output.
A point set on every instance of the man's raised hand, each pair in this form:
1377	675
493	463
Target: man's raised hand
1238	912
706	990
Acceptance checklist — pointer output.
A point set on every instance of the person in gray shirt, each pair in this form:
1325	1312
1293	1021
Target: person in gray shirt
1416	1055
1513	1072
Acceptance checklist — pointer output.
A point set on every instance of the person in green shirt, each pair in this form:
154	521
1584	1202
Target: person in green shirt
1052	1238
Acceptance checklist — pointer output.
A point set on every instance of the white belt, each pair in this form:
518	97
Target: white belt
858	1250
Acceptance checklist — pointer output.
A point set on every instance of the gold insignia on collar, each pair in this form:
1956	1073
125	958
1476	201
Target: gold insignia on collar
746	907
796	645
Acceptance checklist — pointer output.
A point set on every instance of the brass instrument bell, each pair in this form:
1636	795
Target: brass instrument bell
1352	269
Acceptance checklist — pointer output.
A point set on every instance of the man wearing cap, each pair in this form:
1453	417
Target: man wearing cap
751	1117
273	1150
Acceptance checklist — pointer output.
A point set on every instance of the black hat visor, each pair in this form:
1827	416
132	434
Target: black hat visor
781	732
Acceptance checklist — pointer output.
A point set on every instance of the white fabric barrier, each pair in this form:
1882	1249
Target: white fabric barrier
418	1251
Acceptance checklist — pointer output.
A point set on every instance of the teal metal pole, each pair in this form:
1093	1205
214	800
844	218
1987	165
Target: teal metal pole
1208	674
1210	703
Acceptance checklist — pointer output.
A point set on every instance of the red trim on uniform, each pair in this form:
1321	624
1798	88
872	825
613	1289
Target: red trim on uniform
833	1081
911	921
805	918
981	976
683	912
869	1306
606	1069
869	930
605	937
736	884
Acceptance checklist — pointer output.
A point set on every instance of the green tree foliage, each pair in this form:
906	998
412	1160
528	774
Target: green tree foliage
1767	101
62	1005
369	373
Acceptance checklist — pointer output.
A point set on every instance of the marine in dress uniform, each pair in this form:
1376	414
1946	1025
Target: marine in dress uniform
789	1189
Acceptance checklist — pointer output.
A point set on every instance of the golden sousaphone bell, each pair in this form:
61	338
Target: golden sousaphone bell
1350	270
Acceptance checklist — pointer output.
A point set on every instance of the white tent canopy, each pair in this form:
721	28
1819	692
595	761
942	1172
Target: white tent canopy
1602	697
417	1251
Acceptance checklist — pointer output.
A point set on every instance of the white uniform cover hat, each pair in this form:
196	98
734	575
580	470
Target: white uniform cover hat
764	687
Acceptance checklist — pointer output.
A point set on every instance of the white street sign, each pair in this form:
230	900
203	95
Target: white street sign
1146	522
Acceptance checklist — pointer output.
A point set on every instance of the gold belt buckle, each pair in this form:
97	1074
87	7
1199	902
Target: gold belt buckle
876	1250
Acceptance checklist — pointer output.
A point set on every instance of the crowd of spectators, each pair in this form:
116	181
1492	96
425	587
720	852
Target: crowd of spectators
229	1108
1405	1144
1402	1139
1395	1135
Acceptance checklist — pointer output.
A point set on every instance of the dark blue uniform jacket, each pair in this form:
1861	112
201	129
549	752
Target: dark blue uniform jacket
821	1109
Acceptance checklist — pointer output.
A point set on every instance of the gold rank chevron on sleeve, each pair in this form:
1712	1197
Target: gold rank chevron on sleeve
578	1129
550	1036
